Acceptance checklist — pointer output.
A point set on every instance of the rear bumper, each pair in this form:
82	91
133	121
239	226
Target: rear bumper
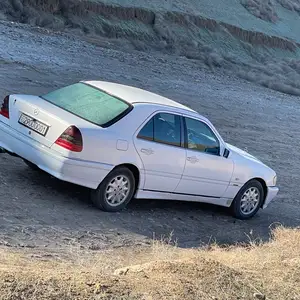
271	194
80	172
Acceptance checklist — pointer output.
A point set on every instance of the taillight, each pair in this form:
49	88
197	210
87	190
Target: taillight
71	139
4	111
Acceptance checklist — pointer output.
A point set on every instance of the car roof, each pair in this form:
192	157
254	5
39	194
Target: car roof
134	95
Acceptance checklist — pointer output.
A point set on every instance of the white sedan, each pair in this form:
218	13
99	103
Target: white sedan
123	142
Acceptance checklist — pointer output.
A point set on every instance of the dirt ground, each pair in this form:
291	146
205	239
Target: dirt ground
40	212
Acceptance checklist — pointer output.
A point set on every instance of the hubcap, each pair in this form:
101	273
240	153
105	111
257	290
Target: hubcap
250	200
117	190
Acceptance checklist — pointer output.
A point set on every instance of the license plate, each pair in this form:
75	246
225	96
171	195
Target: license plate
33	124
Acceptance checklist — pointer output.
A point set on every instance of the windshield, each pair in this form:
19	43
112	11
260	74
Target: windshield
89	103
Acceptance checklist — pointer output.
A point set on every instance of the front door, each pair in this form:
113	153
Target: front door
159	144
206	173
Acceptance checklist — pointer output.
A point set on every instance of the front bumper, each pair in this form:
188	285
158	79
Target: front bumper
271	194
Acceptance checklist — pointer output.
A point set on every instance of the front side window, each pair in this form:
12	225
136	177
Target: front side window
89	103
200	137
163	128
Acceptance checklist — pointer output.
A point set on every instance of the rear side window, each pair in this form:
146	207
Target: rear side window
89	103
147	132
163	128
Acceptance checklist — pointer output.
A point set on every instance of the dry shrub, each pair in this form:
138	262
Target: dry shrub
6	7
160	272
282	76
293	5
2	16
17	5
263	9
273	268
163	29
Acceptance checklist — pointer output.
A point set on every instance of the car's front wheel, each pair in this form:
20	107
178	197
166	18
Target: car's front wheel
248	200
115	191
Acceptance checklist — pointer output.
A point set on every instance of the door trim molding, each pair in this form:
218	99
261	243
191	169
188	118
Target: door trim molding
182	194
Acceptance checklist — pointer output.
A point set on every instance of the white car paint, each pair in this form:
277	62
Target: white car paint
166	172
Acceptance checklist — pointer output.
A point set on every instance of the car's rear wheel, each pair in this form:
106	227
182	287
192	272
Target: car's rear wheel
248	200
115	191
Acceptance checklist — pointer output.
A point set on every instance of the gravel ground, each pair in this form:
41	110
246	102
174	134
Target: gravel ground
39	211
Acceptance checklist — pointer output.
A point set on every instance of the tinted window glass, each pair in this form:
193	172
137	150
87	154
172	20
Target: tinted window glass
88	103
147	131
200	137
167	129
163	128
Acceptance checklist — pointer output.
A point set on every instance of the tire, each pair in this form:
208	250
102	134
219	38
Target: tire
114	185
32	166
251	191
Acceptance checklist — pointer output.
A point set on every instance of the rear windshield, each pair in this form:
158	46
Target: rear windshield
89	103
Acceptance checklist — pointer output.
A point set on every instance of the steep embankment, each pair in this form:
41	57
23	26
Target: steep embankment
282	16
257	40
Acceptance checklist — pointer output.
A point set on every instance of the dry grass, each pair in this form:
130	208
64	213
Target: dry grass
163	271
281	75
263	9
293	5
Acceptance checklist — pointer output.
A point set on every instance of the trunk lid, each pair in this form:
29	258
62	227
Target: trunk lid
39	119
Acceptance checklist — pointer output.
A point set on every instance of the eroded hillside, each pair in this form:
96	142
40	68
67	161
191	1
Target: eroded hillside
254	39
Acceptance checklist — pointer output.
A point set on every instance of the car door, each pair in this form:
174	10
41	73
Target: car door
160	146
206	172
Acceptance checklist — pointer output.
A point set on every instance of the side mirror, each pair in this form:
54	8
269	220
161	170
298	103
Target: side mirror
226	153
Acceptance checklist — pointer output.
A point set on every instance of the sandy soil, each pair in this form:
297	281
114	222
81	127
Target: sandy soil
39	211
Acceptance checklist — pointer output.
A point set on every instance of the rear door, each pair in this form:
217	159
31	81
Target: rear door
159	144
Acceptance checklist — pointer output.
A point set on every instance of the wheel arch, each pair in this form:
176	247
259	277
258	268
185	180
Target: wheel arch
135	171
264	185
235	204
265	188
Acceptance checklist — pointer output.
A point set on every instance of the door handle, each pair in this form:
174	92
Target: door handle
192	159
147	151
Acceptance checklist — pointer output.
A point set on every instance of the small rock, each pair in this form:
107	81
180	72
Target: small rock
122	271
259	296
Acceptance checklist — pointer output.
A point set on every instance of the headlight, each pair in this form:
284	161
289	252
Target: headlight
274	180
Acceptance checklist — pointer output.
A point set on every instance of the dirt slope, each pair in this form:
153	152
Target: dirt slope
236	36
258	15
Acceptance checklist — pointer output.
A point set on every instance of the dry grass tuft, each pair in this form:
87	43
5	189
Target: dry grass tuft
163	271
282	75
263	9
273	268
293	5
